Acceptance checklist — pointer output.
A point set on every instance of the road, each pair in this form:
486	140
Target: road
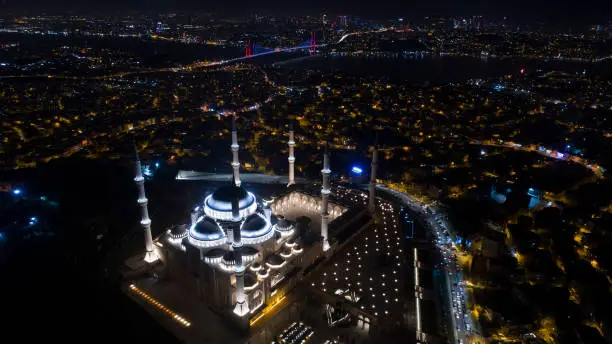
436	222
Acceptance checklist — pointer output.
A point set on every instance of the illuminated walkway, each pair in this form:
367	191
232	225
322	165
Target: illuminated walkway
159	305
165	300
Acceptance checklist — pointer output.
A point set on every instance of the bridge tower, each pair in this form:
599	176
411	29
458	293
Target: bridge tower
313	43
248	49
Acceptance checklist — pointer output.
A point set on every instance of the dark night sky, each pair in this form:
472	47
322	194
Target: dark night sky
562	11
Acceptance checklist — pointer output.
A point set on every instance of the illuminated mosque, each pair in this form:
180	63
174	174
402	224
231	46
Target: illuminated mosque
237	253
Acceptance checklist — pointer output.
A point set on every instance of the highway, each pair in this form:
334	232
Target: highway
434	220
547	152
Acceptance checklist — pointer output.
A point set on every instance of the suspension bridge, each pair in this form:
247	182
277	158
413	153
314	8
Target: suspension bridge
254	50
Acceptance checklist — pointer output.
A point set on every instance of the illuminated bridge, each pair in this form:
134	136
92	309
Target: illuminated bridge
253	50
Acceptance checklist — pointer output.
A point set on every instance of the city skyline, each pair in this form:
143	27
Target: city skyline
522	12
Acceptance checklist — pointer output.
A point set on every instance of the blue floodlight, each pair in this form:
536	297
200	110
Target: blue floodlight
146	170
17	192
157	164
357	170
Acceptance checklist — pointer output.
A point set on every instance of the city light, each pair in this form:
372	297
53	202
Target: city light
357	170
184	322
449	147
266	310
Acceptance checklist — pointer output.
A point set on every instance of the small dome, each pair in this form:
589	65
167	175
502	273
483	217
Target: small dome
206	229
283	224
274	260
254	226
286	252
249	280
297	249
263	273
178	231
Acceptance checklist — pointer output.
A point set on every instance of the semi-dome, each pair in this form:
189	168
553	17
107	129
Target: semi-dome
253	226
219	204
215	253
229	258
206	233
214	256
255	229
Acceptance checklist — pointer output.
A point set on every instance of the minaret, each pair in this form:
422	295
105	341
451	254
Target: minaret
242	305
235	163
325	191
372	200
291	159
195	213
145	221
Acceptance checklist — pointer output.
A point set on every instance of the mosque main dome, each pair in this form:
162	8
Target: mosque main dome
219	204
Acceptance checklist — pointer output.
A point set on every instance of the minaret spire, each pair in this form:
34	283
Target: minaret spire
291	159
372	200
242	305
145	221
235	147
325	191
